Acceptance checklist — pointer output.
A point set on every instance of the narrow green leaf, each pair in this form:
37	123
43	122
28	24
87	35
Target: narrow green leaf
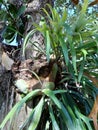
3	15
84	53
54	122
48	45
37	115
88	45
27	39
64	50
18	106
67	105
84	7
50	93
27	121
9	115
80	125
56	16
64	16
27	97
60	91
64	113
67	118
81	71
40	49
52	11
73	53
71	70
81	120
21	11
85	119
49	17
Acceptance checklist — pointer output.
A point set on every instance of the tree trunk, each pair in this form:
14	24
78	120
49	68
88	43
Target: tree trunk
8	94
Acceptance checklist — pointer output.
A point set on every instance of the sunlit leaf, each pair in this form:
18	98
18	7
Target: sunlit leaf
84	7
84	53
48	45
36	115
64	16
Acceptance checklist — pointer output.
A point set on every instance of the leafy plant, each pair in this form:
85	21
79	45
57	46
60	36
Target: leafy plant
74	46
13	21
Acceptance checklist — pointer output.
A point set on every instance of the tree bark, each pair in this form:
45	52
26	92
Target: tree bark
8	96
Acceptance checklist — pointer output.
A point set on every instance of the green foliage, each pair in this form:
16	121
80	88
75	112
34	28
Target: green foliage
73	42
63	111
13	21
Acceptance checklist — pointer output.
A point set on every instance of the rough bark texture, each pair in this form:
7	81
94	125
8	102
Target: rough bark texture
8	94
34	10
